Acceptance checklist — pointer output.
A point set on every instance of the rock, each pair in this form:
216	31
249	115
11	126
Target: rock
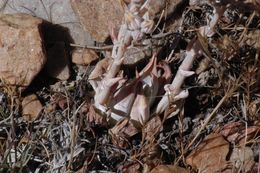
134	55
169	169
22	55
96	16
84	56
240	155
251	166
31	107
210	155
57	65
56	12
237	133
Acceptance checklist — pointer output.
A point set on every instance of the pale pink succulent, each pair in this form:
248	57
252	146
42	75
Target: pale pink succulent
174	91
123	99
140	111
116	96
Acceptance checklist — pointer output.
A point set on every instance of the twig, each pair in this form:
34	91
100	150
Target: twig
109	47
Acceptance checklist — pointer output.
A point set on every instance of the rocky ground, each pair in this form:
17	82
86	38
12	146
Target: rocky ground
129	86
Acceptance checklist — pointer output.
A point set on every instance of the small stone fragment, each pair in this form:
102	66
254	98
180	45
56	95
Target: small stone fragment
22	55
57	65
32	108
84	56
133	55
96	16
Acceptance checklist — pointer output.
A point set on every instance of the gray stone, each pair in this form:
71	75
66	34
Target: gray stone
55	11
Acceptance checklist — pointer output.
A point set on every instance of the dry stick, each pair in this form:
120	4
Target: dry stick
108	47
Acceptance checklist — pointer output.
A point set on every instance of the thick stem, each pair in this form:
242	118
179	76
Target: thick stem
117	55
175	87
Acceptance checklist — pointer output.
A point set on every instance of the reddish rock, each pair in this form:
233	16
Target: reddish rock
210	155
31	107
21	51
84	56
97	15
168	169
